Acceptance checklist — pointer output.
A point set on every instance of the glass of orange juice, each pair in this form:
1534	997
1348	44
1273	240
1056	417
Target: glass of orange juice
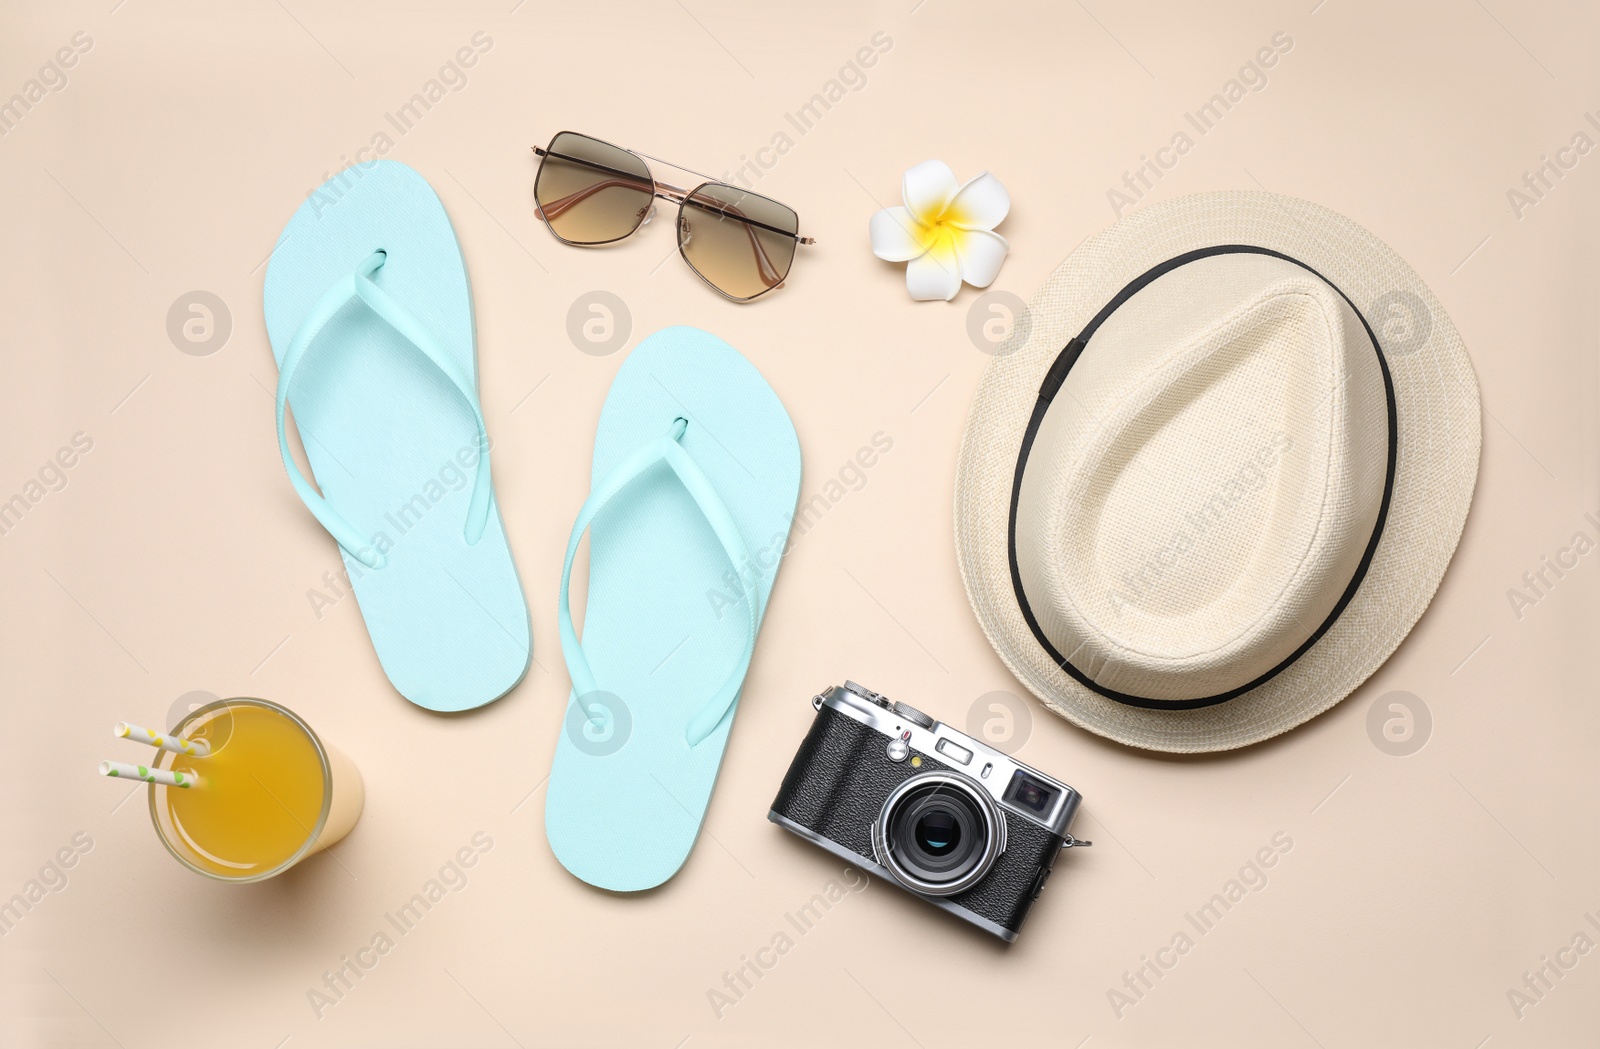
269	794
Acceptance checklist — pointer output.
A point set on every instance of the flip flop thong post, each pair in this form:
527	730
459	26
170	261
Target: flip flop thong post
695	478
370	318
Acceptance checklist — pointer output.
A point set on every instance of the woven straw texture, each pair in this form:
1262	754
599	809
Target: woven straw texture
1437	405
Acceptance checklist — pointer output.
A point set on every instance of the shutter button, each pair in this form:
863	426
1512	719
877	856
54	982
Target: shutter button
899	747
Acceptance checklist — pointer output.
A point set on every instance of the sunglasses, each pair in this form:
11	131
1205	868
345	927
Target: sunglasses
590	192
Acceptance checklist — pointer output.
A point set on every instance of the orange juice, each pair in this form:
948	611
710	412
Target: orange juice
269	793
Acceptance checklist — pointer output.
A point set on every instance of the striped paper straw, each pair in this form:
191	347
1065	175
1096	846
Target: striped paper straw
195	748
174	778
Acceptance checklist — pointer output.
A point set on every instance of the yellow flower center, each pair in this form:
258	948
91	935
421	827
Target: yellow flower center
938	234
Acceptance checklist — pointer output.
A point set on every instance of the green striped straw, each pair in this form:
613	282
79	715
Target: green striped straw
174	778
195	748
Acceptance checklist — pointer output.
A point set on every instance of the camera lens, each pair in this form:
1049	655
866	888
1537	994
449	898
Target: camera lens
938	834
938	831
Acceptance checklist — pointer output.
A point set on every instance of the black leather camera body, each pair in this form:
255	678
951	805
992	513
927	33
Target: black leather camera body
939	813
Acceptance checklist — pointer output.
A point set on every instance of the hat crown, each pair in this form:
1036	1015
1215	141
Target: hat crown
1194	517
1409	416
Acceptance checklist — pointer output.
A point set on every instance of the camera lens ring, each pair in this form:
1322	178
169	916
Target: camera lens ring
970	828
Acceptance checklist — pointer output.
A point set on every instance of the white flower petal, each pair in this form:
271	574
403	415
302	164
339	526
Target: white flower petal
982	203
896	235
980	253
935	275
927	188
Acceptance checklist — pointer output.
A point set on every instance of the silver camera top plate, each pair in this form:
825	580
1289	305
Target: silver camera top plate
989	768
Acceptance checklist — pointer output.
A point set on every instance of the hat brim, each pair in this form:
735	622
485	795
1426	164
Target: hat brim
1436	467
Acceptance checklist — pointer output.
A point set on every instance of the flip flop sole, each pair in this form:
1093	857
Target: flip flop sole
664	624
390	442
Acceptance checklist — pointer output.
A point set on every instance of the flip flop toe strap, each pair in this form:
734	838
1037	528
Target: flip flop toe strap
665	449
359	285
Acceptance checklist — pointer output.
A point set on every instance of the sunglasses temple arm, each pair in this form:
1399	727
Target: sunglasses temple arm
764	269
556	208
769	274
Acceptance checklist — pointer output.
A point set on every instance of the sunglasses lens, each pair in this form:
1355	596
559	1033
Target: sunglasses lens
591	192
741	242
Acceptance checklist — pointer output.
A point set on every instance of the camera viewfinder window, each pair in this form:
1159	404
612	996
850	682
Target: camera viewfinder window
1029	794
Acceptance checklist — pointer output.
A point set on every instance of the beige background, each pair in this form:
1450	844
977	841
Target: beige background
1418	890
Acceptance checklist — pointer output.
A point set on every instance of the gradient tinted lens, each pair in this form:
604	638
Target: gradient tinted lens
741	242
591	192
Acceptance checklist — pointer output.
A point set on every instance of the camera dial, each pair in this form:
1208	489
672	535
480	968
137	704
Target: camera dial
866	693
913	715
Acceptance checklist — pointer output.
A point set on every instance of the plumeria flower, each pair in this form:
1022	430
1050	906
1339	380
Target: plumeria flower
945	231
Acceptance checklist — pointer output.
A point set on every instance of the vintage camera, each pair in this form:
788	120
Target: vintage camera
886	787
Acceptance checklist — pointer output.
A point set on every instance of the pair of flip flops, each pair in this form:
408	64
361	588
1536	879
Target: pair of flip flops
695	477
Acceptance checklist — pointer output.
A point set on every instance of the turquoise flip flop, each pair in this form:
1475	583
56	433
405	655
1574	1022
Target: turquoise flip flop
370	318
695	478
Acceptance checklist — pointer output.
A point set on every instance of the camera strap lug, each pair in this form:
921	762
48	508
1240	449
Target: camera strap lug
1075	843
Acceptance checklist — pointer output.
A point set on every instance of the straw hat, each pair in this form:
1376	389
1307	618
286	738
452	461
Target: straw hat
1220	473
